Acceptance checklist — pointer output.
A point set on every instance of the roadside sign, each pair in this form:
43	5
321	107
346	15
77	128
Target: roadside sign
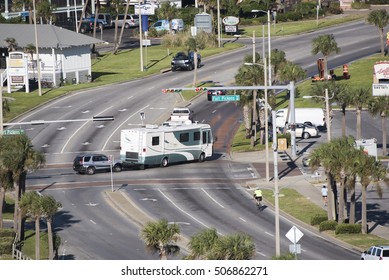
13	131
294	235
218	98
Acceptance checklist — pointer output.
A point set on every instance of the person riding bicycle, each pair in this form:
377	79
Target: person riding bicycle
258	196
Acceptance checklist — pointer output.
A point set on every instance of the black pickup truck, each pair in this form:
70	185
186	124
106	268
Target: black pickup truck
86	26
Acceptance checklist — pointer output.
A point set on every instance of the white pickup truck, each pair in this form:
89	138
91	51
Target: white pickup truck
183	114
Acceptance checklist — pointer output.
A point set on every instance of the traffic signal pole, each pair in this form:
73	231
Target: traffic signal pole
290	87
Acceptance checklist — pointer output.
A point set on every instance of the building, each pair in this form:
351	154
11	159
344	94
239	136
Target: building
64	55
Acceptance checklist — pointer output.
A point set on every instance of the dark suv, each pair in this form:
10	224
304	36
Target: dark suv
90	163
185	61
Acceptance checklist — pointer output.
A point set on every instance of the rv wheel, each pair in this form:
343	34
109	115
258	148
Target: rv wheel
201	157
142	167
164	162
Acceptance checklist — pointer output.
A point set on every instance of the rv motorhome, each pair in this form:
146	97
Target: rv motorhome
169	143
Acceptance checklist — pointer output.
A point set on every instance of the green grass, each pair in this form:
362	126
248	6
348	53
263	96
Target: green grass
29	245
297	27
298	206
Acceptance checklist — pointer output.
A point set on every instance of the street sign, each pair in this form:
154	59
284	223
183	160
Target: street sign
218	98
294	235
13	131
295	249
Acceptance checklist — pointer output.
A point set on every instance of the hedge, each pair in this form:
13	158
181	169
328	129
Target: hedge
348	228
328	225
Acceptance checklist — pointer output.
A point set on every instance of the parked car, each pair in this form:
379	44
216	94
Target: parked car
69	23
103	21
304	130
129	21
185	61
177	24
213	92
376	253
90	163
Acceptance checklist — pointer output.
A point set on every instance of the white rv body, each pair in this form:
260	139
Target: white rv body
169	143
302	115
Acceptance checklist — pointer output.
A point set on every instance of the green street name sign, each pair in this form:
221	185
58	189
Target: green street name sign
13	131
218	98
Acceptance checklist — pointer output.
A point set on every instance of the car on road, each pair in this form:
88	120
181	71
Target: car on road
90	163
214	92
185	61
305	131
129	22
377	252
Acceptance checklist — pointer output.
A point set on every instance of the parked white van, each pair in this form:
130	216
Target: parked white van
177	25
314	116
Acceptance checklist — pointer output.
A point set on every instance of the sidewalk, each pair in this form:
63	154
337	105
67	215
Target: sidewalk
306	184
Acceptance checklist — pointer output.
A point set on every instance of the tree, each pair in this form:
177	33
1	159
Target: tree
234	247
45	11
31	205
326	45
159	236
5	185
380	106
31	49
168	11
117	42
49	208
250	74
380	19
372	172
359	98
11	43
20	158
201	244
291	72
208	245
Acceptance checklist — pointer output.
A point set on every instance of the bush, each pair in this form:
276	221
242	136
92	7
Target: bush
348	228
360	5
293	16
6	245
317	219
328	225
7	233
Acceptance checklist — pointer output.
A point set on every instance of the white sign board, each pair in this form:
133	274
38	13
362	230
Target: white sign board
369	146
230	28
380	89
145	9
294	235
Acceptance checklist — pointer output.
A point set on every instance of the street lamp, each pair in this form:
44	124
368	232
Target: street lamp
326	98
276	191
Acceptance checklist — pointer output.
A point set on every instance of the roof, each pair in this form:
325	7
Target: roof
49	36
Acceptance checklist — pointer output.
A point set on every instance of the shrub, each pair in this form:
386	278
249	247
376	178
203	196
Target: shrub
348	228
360	5
317	219
6	245
293	16
7	232
328	225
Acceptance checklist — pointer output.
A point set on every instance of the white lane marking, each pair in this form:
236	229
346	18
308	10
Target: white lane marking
263	255
242	219
70	138
182	210
214	200
119	126
93	222
268	233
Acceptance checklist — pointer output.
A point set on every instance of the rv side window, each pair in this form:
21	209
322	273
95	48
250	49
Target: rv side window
196	136
184	137
155	141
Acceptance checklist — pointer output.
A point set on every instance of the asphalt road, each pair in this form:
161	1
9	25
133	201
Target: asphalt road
62	141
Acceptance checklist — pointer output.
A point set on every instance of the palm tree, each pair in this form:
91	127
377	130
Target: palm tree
31	205
201	244
380	19
159	235
326	45
49	208
117	42
20	158
31	49
11	43
291	72
167	11
380	106
45	10
234	247
373	172
5	185
360	98
249	75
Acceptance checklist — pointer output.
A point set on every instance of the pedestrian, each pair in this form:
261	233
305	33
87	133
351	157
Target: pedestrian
324	193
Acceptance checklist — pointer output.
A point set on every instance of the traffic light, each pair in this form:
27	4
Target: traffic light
200	89
171	90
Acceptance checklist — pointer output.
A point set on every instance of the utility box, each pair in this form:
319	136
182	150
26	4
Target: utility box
203	22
